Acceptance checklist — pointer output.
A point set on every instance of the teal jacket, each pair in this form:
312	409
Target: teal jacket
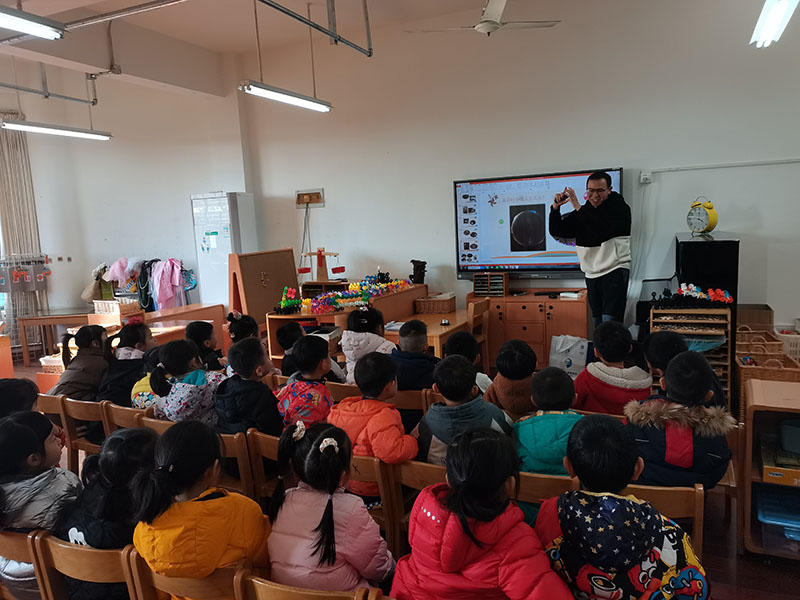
542	445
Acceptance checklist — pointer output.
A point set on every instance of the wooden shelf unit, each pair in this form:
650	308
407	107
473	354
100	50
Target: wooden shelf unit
766	402
706	322
535	319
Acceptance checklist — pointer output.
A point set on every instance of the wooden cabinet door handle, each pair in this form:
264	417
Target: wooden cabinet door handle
524	307
524	328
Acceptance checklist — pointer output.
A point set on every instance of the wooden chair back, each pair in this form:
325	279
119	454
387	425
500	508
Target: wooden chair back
73	414
676	503
250	587
235	446
340	391
280	380
56	559
49	406
478	325
535	488
261	446
372	470
217	586
157	425
410	400
270	380
17	546
119	417
418	475
431	398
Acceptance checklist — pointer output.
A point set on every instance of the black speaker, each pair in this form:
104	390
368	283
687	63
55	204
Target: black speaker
708	261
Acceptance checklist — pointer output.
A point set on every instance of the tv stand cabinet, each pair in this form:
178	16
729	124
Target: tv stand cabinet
535	319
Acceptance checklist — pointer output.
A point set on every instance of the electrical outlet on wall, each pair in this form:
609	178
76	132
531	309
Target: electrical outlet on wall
646	177
310	198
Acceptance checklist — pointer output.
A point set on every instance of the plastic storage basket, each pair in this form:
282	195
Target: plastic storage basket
52	364
122	306
791	343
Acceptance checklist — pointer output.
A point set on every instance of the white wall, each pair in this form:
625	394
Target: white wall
641	84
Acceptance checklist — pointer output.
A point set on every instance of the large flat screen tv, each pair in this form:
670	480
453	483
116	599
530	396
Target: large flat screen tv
501	224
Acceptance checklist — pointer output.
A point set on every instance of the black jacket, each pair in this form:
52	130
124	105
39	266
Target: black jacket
210	359
680	445
243	403
414	369
79	525
592	226
119	379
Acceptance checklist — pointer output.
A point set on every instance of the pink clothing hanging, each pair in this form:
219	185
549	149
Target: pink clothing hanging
118	273
168	283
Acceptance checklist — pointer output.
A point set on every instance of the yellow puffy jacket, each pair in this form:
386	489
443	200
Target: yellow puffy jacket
192	539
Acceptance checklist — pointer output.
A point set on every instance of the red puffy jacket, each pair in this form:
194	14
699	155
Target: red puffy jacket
445	563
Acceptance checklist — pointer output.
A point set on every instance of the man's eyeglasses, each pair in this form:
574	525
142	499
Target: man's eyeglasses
595	192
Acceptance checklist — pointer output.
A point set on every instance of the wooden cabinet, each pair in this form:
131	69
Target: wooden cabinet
535	319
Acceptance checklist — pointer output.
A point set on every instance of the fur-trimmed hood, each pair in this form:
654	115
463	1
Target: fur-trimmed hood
632	378
705	421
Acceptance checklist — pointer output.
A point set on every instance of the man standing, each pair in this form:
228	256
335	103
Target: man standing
601	229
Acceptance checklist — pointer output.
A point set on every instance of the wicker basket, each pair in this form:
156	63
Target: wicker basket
52	364
122	306
772	367
791	343
430	305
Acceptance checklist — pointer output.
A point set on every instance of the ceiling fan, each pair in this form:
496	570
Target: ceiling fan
491	21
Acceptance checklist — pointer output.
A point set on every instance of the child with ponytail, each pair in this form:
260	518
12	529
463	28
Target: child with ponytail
186	390
468	538
322	537
102	517
241	326
33	491
82	374
125	361
188	526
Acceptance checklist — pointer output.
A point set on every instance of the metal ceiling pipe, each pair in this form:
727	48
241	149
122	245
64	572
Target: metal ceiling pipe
102	18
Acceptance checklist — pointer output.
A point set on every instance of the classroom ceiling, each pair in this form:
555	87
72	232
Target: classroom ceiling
227	25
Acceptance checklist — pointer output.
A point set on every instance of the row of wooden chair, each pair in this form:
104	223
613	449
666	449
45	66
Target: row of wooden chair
54	560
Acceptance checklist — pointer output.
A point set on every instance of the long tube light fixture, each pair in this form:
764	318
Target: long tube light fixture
75	132
17	20
262	90
773	20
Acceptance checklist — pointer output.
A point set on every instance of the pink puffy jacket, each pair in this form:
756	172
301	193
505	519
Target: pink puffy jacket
361	553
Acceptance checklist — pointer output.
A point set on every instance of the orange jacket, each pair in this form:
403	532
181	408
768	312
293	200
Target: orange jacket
376	429
194	538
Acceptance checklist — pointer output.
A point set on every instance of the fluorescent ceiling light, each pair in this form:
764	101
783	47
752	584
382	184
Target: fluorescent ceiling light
28	126
17	20
773	20
274	93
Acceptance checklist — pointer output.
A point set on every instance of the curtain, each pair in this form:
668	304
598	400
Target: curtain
19	224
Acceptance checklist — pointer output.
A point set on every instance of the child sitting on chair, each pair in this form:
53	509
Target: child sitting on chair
371	420
607	386
287	335
681	437
83	373
142	394
205	338
125	362
605	545
17	395
511	388
463	409
463	343
414	364
364	334
242	401
305	397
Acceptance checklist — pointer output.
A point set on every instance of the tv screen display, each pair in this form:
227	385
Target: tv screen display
501	224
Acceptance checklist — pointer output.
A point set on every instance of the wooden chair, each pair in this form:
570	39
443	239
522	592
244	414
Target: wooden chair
340	391
261	446
431	398
270	380
18	547
587	413
534	487
478	325
410	400
73	414
417	476
119	417
49	406
149	421
217	586
55	559
280	380
249	587
372	470
675	503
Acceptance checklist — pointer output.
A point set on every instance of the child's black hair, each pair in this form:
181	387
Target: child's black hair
479	463
454	376
21	435
129	336
151	358
123	454
365	320
413	336
308	352
689	378
516	360
321	466
612	341
17	395
176	360
660	347
245	355
84	338
603	453
373	372
462	343
241	327
183	454
199	332
552	389
288	333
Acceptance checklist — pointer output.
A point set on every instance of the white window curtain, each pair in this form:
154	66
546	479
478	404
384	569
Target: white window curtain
19	224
